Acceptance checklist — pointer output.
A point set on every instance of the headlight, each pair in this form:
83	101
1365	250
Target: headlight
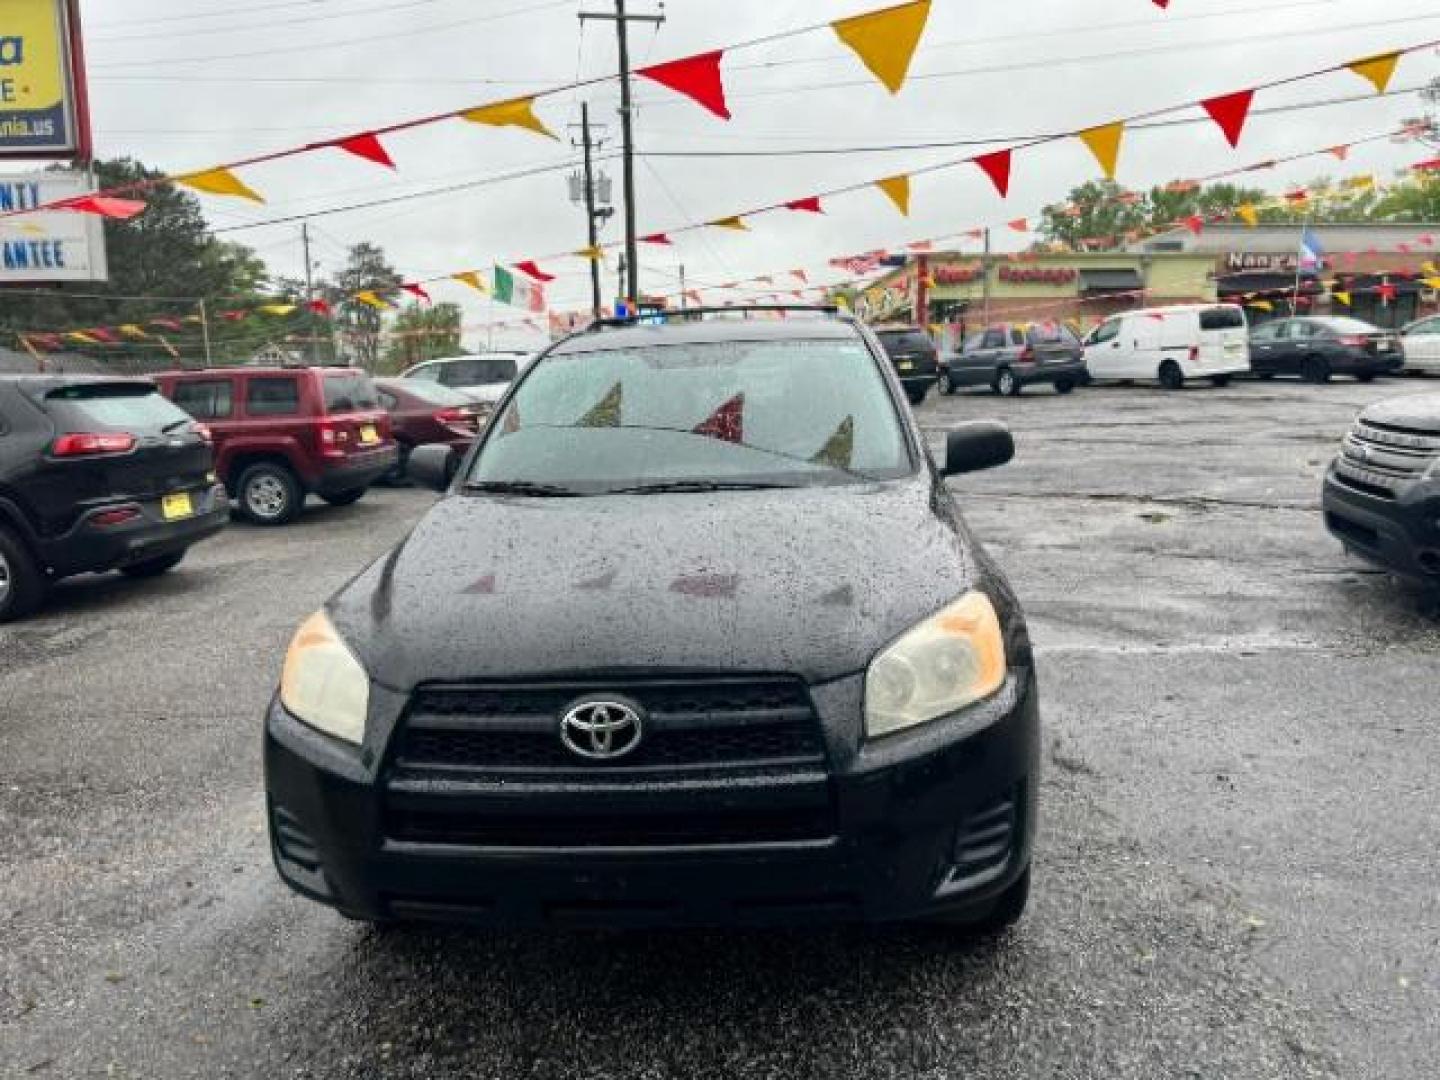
323	684
952	659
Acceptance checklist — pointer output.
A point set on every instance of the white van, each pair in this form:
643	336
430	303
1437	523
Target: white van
1171	344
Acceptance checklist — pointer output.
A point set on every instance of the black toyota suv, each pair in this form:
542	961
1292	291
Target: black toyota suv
96	474
1382	493
697	636
915	358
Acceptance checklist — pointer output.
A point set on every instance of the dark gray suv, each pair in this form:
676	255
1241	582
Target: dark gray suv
1011	356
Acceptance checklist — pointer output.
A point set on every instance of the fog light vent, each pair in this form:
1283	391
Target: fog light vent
984	843
293	842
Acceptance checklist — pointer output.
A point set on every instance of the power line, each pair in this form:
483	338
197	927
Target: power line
265	27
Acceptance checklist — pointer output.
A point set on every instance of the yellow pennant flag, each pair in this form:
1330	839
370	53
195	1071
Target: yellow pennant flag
371	299
277	309
886	40
1378	70
1104	143
79	335
519	112
471	278
731	223
1263	305
1248	214
1343	297
219	182
1361	183
131	330
1431	282
594	254
898	188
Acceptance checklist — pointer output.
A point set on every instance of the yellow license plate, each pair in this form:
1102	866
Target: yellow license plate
368	434
177	505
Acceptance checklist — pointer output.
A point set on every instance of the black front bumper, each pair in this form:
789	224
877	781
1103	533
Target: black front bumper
1069	370
91	548
1401	534
939	820
356	472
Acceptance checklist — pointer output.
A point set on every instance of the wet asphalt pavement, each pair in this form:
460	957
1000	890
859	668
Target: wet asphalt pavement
1235	874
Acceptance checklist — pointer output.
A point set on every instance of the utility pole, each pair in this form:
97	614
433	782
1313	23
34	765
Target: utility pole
684	300
314	342
622	21
590	212
985	280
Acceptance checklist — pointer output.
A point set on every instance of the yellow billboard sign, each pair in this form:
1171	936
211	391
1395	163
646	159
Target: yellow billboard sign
41	112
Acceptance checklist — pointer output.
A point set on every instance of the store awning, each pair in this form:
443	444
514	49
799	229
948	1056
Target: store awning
1110	280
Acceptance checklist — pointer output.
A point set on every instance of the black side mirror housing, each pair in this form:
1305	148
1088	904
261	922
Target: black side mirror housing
432	465
982	444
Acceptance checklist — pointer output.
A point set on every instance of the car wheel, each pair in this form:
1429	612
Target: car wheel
1315	369
1007	383
22	585
917	397
153	567
1004	914
944	386
1365	376
344	498
1064	386
1219	380
396	477
1171	377
270	494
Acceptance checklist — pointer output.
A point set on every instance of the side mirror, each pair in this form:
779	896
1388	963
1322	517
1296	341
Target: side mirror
432	465
983	444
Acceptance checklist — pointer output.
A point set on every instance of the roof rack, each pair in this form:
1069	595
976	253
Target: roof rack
694	313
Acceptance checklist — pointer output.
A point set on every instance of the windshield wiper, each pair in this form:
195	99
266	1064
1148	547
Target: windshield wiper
522	487
666	486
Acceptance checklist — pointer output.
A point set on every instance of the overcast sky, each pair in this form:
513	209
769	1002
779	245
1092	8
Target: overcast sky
183	86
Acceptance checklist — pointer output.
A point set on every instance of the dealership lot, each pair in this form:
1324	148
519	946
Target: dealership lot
1234	874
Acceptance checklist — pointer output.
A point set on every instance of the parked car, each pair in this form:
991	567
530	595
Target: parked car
423	412
1316	349
485	377
1010	356
1420	342
697	635
283	432
914	356
1171	344
1382	493
97	474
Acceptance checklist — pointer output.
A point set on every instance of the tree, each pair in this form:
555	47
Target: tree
158	261
1094	212
1419	201
360	324
1426	126
422	333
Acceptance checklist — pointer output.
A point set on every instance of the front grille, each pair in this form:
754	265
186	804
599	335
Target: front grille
1388	452
712	725
722	761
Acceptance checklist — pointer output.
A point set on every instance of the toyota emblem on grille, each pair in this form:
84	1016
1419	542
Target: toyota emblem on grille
601	730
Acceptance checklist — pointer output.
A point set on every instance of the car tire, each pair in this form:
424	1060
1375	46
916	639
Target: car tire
945	386
917	397
1171	377
269	494
1064	386
1007	383
1365	376
397	476
344	498
149	568
1315	369
22	584
1219	380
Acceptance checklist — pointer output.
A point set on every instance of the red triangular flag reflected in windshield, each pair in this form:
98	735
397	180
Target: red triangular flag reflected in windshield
727	422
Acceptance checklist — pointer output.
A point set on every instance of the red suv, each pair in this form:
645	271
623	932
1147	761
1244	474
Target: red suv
283	432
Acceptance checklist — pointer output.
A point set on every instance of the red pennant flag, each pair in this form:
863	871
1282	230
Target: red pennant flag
1230	111
1020	224
367	146
529	267
233	316
168	324
1427	166
1428	239
1404	248
727	422
801	275
105	206
997	167
810	205
1195	223
100	333
1386	292
320	307
417	291
1341	152
697	77
1163	5
655	238
975	234
692	296
921	245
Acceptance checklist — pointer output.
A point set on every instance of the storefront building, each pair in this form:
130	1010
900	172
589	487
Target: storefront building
954	293
1379	267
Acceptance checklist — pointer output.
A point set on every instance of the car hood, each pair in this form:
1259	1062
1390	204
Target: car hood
1419	413
811	582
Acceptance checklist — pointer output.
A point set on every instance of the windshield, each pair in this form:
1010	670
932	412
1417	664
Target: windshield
772	412
479	371
904	341
349	393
